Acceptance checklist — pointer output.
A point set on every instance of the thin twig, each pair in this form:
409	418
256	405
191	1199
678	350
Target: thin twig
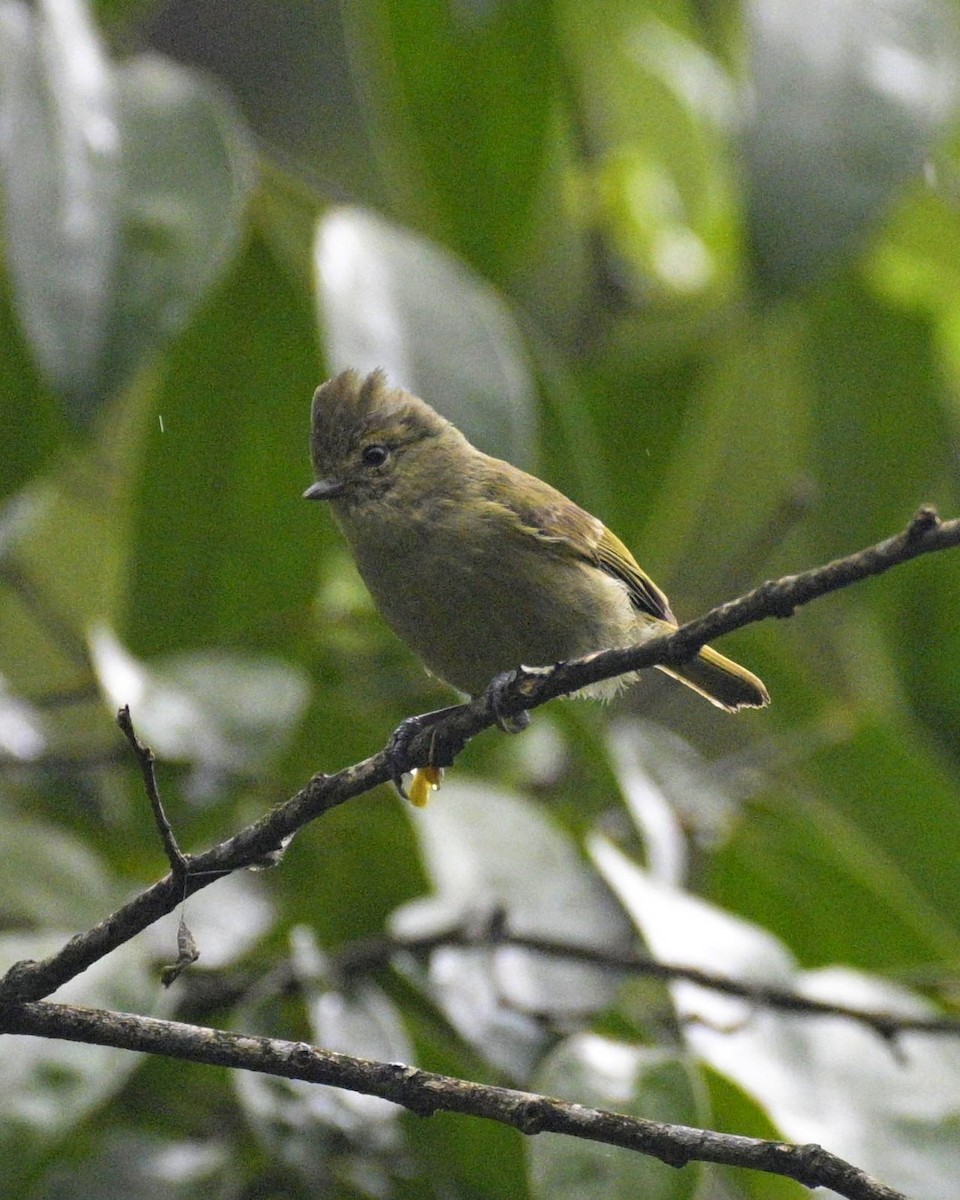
425	1092
179	862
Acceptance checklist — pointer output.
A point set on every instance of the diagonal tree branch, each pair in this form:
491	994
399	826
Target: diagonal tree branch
265	838
425	1092
420	1091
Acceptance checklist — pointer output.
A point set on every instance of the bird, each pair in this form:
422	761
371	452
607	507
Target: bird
478	566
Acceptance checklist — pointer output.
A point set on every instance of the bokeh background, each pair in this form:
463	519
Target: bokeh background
698	264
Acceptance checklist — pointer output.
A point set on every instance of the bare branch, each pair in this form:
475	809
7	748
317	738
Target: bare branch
425	1092
145	759
367	954
442	741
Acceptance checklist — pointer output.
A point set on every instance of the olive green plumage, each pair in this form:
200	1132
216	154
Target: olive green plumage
475	564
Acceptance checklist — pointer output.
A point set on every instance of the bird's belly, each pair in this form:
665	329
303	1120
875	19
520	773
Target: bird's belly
470	614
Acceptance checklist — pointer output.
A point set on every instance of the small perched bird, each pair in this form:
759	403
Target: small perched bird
476	565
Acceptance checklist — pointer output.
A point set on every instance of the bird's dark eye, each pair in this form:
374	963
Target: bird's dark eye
374	456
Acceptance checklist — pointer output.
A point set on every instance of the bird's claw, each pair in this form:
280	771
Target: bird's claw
397	751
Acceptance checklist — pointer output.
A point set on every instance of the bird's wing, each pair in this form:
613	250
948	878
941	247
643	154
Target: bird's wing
549	515
616	559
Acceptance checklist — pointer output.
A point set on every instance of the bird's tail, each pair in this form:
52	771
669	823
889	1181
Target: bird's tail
721	681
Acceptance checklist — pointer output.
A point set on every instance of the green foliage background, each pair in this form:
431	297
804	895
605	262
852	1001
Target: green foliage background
697	264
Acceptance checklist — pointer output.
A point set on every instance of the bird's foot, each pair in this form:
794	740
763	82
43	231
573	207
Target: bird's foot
503	688
441	754
444	746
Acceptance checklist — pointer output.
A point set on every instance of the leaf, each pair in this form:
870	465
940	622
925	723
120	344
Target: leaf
657	107
363	1022
714	509
52	886
225	549
867	828
22	728
459	100
875	415
51	879
221	711
671	793
31	420
123	189
127	1162
492	856
62	559
846	99
321	1130
187	171
51	1086
820	1079
389	298
60	163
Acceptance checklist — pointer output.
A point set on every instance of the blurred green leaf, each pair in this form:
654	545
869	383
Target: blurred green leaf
916	615
657	108
31	422
458	99
123	190
873	375
845	100
470	1158
826	1080
223	540
294	71
869	783
716	516
188	168
917	263
390	299
222	712
732	1108
490	853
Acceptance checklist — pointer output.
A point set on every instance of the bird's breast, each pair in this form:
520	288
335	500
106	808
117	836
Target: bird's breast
474	598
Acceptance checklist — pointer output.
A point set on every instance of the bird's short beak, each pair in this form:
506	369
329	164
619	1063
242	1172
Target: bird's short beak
323	489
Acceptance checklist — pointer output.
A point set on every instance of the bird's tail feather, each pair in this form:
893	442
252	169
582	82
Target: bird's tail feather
721	681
